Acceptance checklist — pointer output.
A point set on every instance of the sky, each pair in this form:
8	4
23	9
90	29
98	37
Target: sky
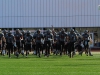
45	13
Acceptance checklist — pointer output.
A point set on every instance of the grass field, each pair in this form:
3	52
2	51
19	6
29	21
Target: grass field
53	65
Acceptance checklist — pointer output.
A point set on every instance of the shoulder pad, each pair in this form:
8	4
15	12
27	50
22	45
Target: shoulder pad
2	34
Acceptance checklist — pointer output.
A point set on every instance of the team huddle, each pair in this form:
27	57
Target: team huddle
44	43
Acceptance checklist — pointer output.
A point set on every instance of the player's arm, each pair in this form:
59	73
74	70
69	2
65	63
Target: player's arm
4	40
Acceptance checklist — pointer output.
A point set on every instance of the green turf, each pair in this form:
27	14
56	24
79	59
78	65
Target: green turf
54	65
